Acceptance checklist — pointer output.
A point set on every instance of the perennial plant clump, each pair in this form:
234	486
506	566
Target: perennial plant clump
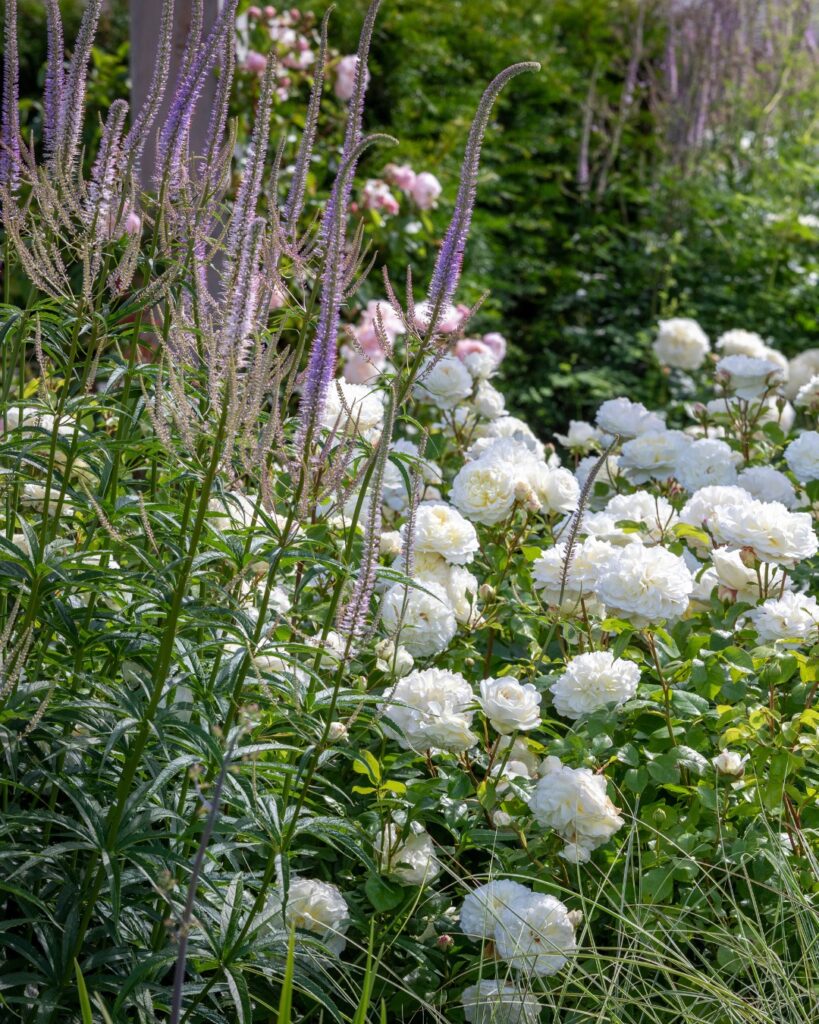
330	691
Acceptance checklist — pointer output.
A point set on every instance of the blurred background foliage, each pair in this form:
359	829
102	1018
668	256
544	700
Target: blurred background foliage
663	162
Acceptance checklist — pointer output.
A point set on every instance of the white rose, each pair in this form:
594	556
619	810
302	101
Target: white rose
729	762
581	437
396	482
802	456
421	620
489	402
445	382
769	409
318	907
581	579
768	528
410	859
700	508
747	376
654	512
441	529
681	343
460	585
510	706
607	474
556	489
800	370
430	707
626	418
645	584
574	802
499	1002
484	491
592	681
790	617
807	397
507	427
353	409
482	907
767	484
741	580
535	935
741	343
707	463
653	455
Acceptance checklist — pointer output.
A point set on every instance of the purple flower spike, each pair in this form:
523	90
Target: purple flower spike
54	91
10	120
447	270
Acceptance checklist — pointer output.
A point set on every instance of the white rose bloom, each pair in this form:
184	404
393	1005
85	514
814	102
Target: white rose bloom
656	513
442	530
653	455
510	427
547	574
460	585
425	618
741	580
574	802
354	409
499	1002
626	418
535	935
607	474
556	489
802	456
592	681
510	706
741	343
488	401
681	343
412	859
747	376
707	463
519	763
790	617
481	909
773	355
767	484
581	437
807	397
700	508
484	490
772	532
445	382
393	660
318	907
430	709
729	762
391	543
645	585
800	370
602	526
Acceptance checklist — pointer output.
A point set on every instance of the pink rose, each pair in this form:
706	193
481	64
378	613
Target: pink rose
377	196
254	12
255	63
359	369
400	175
270	12
425	190
497	343
345	77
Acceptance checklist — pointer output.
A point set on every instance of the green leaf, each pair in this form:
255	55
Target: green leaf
382	895
85	1002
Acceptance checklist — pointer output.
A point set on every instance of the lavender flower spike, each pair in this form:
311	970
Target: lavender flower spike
447	270
322	360
69	116
54	90
10	119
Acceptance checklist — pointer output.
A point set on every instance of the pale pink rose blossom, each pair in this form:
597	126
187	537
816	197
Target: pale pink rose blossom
254	13
426	190
497	343
377	196
255	62
401	175
345	76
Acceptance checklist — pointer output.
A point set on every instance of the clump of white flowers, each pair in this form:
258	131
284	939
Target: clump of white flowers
510	706
748	377
574	802
802	455
499	1002
420	617
645	585
792	616
768	529
431	709
681	343
592	681
411	858
318	907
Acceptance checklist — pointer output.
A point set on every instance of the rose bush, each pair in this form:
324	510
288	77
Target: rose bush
334	695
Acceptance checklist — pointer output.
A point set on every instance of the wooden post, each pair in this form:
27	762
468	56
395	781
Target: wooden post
146	16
